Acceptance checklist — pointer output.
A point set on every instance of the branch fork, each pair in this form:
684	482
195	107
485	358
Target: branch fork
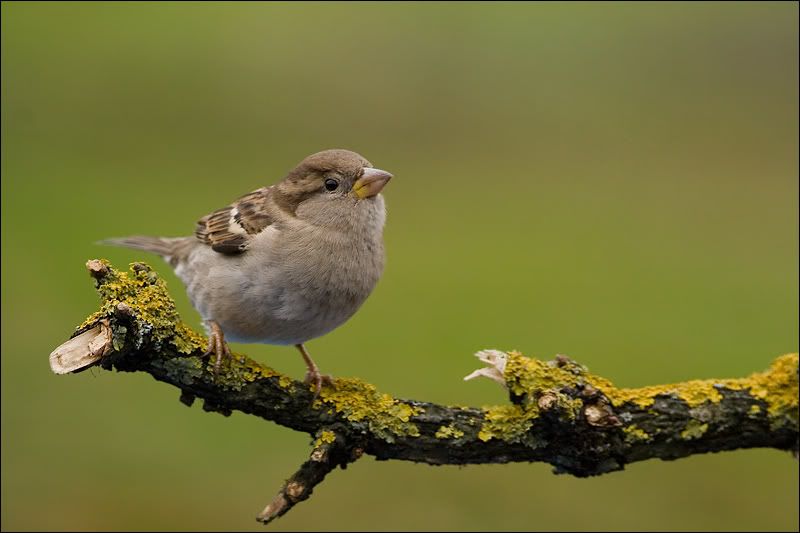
558	412
329	451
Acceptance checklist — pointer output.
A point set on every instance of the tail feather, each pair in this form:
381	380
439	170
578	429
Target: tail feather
158	245
173	249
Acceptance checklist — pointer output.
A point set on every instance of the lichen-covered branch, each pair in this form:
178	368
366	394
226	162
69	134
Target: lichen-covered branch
330	450
558	412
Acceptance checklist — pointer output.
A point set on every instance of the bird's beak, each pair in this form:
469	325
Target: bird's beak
371	182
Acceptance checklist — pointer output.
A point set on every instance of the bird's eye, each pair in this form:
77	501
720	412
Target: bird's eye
331	184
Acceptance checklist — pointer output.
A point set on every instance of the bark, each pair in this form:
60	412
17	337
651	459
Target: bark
557	413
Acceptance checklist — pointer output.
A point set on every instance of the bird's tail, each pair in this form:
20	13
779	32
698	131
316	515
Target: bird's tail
171	249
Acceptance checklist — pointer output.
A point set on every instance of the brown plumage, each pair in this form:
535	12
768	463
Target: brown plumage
226	230
285	263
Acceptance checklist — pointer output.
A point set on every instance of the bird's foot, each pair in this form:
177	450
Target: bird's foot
313	377
217	346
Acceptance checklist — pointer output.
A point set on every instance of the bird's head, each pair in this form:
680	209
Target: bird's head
332	184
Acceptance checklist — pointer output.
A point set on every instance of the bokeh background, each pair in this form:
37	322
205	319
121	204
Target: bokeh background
617	182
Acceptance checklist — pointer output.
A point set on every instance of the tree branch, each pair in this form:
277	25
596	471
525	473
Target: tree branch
558	413
330	450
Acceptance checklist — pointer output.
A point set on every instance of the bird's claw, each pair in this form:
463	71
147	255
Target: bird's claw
218	347
317	379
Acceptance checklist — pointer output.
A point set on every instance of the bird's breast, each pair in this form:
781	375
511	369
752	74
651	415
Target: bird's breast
312	283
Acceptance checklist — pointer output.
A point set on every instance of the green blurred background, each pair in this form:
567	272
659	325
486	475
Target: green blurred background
617	182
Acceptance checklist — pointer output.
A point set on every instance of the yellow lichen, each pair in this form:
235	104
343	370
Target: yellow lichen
754	409
325	437
694	430
542	383
524	375
633	434
694	393
449	432
509	423
362	404
777	386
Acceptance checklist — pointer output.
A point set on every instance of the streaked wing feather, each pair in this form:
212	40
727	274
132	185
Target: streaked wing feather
229	230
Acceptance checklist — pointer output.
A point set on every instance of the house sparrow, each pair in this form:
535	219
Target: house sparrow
287	263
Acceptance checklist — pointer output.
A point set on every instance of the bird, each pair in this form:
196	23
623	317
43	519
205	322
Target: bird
286	263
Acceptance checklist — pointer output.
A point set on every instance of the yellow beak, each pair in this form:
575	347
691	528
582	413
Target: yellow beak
371	182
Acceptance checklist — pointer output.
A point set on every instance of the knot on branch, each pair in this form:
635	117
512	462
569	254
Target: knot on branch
330	449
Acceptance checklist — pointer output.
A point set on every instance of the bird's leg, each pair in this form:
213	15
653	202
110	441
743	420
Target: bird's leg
313	375
217	344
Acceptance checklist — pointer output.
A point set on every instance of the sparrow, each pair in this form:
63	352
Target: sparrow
286	263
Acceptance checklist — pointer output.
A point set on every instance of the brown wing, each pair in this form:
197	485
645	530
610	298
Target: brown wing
229	230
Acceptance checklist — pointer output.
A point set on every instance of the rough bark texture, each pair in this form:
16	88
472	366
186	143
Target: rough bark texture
558	412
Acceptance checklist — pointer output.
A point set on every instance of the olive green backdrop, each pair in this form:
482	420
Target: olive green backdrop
617	182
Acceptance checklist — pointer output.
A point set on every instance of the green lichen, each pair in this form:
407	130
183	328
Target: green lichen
324	437
568	406
145	299
240	370
146	296
694	430
449	432
634	434
361	404
181	369
187	340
